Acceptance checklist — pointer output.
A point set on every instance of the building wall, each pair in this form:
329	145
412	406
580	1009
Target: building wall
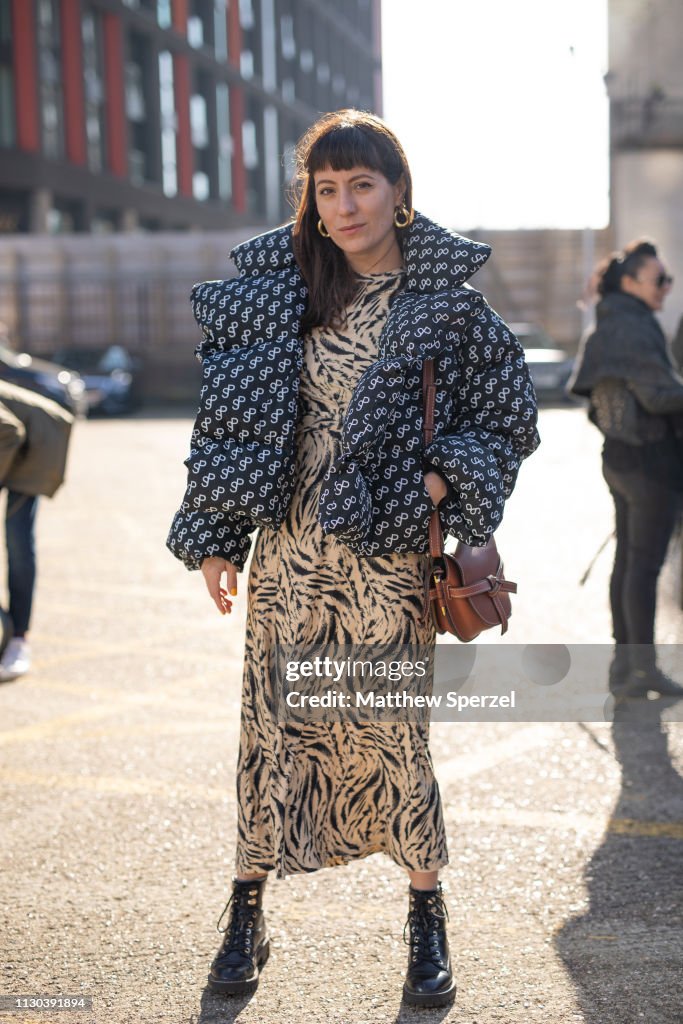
645	85
540	277
133	290
169	114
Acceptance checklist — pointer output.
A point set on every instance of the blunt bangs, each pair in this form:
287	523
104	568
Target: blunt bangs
349	146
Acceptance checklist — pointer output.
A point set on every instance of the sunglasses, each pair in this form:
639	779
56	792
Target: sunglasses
662	280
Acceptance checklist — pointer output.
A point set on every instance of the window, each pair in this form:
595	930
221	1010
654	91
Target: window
249	145
253	145
169	169
135	94
203	135
220	29
164	13
64	217
142	5
50	60
201	188
199	126
104	222
201	23
143	154
7	127
247	64
93	90
246	15
224	141
287	41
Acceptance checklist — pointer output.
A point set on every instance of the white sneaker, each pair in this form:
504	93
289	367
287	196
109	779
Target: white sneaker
16	659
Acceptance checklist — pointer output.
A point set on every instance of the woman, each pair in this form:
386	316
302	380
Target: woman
310	426
636	399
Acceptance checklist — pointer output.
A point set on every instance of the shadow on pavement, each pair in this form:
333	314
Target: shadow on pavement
218	1009
424	1015
624	953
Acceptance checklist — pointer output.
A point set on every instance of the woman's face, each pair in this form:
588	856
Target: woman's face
651	283
357	209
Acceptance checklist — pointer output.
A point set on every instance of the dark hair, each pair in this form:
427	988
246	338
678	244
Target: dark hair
339	140
627	263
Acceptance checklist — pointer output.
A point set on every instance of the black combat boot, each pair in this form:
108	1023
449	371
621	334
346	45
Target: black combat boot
429	979
245	948
640	681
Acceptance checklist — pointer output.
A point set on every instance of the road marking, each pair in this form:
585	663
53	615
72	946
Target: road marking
55	726
116	785
634	827
562	821
467	765
512	817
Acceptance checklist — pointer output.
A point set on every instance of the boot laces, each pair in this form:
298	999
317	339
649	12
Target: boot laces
422	929
239	929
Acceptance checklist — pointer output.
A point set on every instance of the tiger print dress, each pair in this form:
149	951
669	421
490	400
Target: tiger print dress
320	794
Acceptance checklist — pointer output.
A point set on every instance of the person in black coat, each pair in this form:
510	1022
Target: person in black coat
636	400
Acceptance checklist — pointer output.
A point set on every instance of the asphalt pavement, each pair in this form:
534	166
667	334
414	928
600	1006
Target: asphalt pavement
117	759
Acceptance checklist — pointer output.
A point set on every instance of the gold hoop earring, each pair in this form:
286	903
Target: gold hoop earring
403	217
323	230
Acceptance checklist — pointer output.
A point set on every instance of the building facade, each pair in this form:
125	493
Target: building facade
645	87
125	115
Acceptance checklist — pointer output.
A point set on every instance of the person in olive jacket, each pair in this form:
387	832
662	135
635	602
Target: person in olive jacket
34	440
636	399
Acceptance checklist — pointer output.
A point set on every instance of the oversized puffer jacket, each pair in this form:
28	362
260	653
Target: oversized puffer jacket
373	498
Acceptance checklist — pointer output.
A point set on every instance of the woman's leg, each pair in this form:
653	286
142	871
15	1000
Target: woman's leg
652	517
645	524
21	558
616	586
424	879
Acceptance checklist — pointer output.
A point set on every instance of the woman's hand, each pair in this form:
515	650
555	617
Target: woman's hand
436	487
212	570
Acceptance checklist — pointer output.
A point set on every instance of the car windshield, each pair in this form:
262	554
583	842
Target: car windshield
94	360
532	336
8	356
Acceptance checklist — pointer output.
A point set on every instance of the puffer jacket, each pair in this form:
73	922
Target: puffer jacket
373	498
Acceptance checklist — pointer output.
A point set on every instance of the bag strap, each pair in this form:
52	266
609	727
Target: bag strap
428	400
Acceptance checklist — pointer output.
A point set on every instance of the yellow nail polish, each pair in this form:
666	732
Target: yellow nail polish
233	591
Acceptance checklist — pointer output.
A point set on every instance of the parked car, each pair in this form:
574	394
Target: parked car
111	377
46	378
550	367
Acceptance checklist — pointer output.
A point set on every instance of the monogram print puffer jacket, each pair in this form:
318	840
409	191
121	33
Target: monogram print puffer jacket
373	498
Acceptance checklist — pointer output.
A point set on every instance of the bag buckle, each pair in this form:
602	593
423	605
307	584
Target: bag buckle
496	583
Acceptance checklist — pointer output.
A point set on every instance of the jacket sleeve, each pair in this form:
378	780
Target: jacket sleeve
492	429
12	437
195	536
659	397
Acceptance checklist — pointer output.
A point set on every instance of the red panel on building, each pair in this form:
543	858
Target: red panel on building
239	174
72	77
26	75
185	156
180	16
117	150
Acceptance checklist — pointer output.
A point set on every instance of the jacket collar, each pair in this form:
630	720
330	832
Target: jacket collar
621	302
436	259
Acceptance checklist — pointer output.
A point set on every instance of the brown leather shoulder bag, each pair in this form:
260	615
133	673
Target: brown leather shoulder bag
467	591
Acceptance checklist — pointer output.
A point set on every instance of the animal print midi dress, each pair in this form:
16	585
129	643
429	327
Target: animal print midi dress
320	794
